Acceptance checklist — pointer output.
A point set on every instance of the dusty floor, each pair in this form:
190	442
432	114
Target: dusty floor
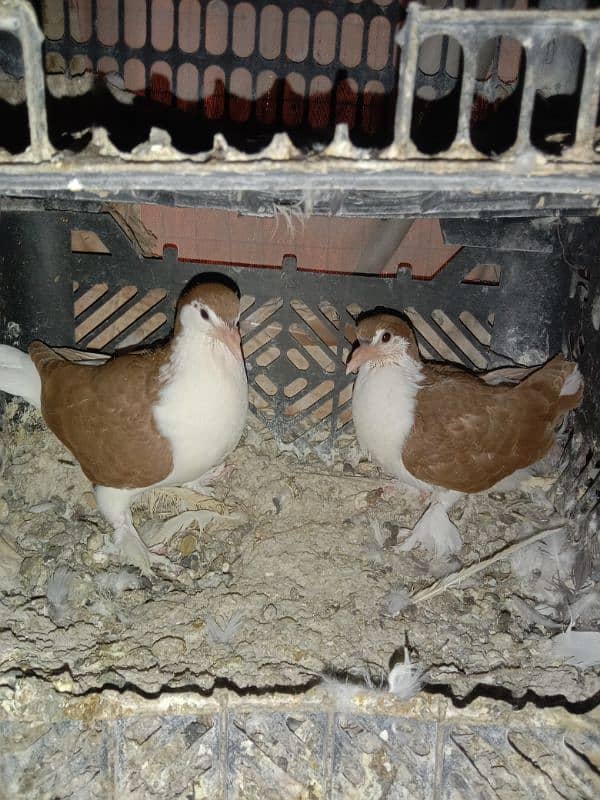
297	575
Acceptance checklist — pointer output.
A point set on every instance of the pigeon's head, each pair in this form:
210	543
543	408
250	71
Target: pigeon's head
383	338
210	309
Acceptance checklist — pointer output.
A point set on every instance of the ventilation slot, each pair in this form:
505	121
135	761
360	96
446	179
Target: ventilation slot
14	130
101	322
558	92
437	94
486	274
435	346
255	337
195	69
87	242
497	97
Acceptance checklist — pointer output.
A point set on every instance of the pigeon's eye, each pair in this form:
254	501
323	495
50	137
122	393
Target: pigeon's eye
204	313
386	337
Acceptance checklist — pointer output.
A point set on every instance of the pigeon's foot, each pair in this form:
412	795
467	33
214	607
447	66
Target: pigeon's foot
203	484
434	531
388	490
127	545
130	549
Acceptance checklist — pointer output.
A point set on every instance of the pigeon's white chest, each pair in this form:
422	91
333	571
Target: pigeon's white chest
202	409
383	408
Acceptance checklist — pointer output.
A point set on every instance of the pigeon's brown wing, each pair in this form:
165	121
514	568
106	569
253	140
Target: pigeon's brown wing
103	414
468	435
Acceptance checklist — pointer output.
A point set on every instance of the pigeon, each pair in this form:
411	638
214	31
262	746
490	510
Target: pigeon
163	415
446	431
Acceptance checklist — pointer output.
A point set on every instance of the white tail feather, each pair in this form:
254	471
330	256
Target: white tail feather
572	383
19	376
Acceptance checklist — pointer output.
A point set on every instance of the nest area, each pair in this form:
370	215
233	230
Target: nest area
289	571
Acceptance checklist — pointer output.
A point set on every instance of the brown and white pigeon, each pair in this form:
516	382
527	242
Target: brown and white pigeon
160	416
442	429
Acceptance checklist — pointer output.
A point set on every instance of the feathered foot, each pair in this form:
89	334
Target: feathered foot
202	485
434	531
388	490
114	504
130	549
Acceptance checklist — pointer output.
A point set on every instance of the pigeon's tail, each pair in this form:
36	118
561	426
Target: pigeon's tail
560	382
19	376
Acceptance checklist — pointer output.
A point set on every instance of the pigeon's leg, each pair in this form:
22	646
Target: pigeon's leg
434	531
114	505
202	484
388	490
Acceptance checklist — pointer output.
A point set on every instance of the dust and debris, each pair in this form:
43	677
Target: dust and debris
290	569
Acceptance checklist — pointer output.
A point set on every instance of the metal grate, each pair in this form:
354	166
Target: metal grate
227	97
246	69
473	31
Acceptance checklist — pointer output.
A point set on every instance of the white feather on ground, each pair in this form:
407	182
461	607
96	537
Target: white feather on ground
227	633
115	583
343	692
579	648
558	555
551	557
404	681
58	592
378	533
397	600
533	616
406	678
583	604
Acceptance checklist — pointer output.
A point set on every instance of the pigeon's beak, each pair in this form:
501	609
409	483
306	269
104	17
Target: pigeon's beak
361	355
230	336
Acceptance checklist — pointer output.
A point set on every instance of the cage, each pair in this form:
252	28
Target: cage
329	158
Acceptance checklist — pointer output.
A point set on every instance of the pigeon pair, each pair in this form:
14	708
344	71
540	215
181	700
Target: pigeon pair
167	415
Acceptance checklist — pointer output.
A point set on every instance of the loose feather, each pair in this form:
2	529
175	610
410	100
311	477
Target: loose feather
533	616
579	648
397	600
227	633
453	578
377	531
344	691
582	605
115	583
406	678
550	557
58	593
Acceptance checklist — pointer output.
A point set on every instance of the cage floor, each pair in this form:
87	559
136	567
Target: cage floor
291	570
113	746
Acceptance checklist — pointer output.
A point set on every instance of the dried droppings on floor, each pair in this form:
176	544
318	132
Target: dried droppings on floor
290	570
